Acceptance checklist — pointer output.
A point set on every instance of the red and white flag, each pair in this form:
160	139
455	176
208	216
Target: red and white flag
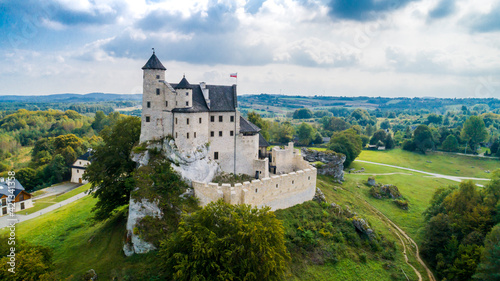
234	75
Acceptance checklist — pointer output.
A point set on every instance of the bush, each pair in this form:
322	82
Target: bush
409	145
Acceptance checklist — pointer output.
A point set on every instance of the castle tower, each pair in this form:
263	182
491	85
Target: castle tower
184	91
153	99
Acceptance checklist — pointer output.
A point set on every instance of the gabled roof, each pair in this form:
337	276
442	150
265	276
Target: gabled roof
4	187
85	156
247	126
222	99
262	141
184	84
154	63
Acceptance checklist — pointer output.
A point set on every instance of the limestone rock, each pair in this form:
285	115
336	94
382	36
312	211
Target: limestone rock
385	191
362	226
371	181
137	210
319	196
334	162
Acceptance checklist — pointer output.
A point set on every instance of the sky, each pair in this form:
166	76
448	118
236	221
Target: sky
389	48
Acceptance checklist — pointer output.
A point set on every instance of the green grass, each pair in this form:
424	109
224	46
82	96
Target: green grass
45	202
79	244
435	162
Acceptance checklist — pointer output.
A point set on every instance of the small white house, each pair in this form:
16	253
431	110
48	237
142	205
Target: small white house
21	199
78	168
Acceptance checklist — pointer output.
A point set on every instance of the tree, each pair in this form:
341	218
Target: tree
385	125
32	262
474	131
450	144
303	113
389	142
282	132
337	124
226	242
434	119
27	177
379	135
347	142
305	132
110	173
490	261
362	117
422	138
264	125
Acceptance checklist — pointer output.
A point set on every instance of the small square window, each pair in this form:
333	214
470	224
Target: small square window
194	134
216	155
293	182
276	185
176	135
175	121
220	133
220	118
166	104
187	103
187	136
147	118
176	103
232	118
157	76
231	133
77	171
148	104
212	133
187	121
256	190
212	118
157	91
200	120
187	93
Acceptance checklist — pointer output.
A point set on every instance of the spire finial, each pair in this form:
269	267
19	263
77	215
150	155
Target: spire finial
184	75
153	50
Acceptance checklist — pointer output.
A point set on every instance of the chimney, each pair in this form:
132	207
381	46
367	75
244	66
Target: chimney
206	93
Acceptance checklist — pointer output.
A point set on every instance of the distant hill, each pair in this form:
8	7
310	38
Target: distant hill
72	98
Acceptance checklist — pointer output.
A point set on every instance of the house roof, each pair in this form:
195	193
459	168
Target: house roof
154	63
222	99
184	84
85	156
262	141
248	127
4	187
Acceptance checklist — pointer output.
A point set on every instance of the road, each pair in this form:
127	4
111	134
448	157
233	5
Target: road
452	178
57	189
7	220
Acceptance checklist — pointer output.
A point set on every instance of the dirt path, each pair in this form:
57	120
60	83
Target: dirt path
399	232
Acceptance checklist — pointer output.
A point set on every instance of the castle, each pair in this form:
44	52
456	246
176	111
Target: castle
194	115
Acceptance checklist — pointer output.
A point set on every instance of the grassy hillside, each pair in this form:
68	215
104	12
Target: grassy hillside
435	162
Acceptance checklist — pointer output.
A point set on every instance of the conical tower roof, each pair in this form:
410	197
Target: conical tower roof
184	84
154	63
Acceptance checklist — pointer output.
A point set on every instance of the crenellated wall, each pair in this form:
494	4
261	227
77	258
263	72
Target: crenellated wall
277	191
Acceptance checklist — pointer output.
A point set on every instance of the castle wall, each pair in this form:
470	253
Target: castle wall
287	159
198	131
277	192
223	145
247	151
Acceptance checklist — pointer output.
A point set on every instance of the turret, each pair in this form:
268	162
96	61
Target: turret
184	92
153	99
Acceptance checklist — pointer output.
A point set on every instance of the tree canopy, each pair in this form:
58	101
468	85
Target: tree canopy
226	242
110	172
347	142
474	131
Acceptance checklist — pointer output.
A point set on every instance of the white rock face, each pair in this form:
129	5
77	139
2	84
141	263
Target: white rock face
137	210
191	165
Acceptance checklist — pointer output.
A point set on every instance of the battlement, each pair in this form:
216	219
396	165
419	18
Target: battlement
278	191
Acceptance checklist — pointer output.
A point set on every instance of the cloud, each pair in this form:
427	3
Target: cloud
484	22
218	18
443	9
364	10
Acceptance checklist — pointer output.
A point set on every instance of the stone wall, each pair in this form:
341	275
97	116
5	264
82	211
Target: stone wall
277	192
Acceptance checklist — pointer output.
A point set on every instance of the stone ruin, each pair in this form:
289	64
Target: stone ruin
334	162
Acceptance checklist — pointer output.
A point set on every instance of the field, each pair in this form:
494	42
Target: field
434	162
45	202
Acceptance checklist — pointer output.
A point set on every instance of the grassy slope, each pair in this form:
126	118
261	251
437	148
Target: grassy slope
441	163
51	200
80	245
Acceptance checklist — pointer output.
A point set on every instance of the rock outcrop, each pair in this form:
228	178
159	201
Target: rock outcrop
362	226
334	162
191	165
319	196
